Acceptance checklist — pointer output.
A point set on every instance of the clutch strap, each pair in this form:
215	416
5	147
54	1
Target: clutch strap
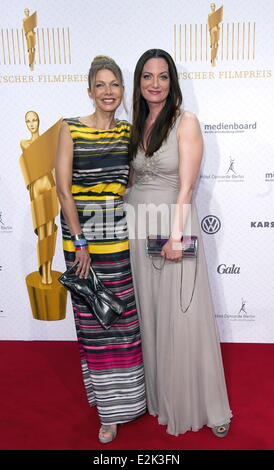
194	284
159	268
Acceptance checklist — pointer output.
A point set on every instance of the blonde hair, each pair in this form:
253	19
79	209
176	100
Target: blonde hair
102	62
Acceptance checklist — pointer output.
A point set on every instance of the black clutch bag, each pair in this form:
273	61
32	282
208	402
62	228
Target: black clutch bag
103	303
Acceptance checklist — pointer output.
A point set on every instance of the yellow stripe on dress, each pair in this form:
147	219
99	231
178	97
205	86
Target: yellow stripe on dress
95	198
91	136
115	188
100	248
77	126
122	140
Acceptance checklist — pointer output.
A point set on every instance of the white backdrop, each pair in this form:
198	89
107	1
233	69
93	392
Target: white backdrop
233	101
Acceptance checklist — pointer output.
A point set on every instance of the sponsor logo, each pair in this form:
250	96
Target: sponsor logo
211	224
269	176
232	127
262	224
224	74
224	269
241	313
231	166
4	228
213	40
230	175
30	44
61	78
217	40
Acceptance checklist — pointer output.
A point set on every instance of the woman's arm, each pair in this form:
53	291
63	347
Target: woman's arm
131	178
190	143
63	175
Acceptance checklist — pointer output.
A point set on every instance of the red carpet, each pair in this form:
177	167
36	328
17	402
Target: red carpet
43	403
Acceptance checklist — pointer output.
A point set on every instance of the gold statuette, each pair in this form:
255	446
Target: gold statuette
29	23
214	18
47	296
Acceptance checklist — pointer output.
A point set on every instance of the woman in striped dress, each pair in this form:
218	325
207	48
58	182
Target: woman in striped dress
92	169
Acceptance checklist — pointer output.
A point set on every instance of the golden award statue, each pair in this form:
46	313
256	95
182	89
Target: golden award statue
47	296
214	18
29	23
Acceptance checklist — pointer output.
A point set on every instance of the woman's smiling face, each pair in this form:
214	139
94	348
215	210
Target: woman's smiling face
155	81
107	91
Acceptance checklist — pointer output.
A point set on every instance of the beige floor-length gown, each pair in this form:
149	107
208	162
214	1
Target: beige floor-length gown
184	375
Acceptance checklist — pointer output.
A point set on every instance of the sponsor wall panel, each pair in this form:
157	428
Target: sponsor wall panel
233	100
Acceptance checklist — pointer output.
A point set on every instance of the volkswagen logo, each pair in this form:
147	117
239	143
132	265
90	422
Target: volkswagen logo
211	224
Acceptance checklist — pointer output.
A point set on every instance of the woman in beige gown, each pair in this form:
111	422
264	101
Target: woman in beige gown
184	375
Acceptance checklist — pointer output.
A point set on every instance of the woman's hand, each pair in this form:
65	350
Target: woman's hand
172	250
83	261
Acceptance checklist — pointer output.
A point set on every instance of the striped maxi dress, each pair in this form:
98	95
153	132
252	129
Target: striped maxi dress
111	359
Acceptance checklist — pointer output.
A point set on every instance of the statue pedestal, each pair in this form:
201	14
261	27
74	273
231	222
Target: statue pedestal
48	301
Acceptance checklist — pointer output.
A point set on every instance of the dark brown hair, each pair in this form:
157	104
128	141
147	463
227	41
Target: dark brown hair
166	117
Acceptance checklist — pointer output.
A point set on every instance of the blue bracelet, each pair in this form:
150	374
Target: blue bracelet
82	242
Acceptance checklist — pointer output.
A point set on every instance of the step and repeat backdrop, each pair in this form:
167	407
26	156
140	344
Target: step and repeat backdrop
224	55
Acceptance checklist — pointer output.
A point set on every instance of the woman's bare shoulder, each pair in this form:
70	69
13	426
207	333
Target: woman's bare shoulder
188	116
188	123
